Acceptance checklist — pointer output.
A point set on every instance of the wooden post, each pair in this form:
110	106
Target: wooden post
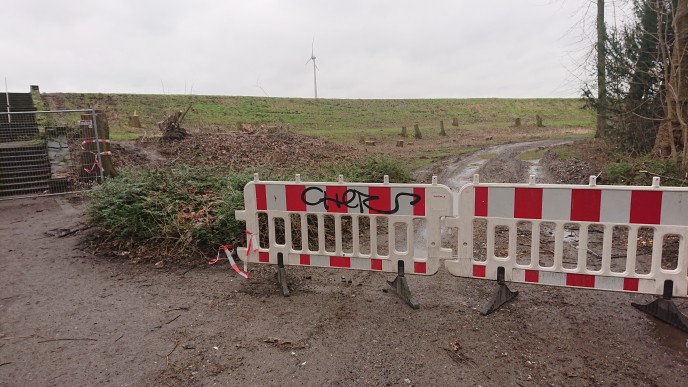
404	133
400	143
517	122
538	119
104	134
86	155
442	132
455	122
416	133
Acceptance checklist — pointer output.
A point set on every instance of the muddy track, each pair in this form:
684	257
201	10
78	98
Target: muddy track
496	164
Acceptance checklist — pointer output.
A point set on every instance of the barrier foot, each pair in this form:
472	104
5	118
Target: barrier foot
282	275
501	296
401	288
665	309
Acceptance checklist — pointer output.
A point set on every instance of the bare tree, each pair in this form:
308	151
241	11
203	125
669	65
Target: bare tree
672	137
601	72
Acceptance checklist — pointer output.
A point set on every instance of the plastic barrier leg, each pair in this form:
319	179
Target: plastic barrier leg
501	296
665	309
401	287
282	275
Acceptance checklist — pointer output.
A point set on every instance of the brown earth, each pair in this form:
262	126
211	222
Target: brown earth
71	318
279	150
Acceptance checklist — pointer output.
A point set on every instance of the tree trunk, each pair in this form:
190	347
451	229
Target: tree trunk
601	72
672	137
404	133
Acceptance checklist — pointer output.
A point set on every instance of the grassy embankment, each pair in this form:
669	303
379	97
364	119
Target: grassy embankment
482	122
337	119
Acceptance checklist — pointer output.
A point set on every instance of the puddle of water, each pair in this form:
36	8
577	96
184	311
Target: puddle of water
670	337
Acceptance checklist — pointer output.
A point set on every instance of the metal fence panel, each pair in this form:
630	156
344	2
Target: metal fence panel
49	152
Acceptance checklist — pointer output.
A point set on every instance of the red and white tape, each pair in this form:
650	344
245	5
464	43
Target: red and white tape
252	245
228	253
96	162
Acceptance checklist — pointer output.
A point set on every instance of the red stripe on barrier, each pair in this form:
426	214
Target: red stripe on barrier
532	276
263	256
340	262
479	271
261	202
585	205
480	201
305	260
375	264
631	284
336	192
419	208
294	193
419	267
382	201
646	207
528	203
580	280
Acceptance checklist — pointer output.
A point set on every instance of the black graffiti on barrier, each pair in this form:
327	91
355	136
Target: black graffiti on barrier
352	198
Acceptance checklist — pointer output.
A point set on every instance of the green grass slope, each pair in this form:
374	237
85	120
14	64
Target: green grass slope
337	119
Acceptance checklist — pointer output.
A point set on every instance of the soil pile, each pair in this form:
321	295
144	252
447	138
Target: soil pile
281	150
567	171
237	151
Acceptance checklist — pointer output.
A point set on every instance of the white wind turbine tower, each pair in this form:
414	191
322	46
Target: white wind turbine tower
315	67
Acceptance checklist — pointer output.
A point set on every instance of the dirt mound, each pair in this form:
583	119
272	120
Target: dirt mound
567	171
237	151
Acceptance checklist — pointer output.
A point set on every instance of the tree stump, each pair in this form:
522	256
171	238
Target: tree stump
404	133
134	121
442	132
517	122
370	142
416	133
400	143
171	127
538	119
455	122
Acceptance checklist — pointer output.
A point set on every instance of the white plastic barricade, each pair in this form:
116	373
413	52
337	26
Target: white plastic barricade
593	234
346	225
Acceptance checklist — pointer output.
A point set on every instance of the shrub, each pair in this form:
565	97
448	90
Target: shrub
183	210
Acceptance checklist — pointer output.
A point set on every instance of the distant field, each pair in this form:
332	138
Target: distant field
343	120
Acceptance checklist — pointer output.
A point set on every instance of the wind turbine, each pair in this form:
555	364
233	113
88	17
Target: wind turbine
315	67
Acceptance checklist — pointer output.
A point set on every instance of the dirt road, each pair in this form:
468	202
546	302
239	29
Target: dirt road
68	318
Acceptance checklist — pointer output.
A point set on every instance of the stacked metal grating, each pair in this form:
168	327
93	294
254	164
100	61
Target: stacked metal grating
24	164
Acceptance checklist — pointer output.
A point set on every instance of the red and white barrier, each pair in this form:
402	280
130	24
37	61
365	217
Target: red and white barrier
664	210
397	203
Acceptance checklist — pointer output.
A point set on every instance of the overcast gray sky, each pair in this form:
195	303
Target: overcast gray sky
364	49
